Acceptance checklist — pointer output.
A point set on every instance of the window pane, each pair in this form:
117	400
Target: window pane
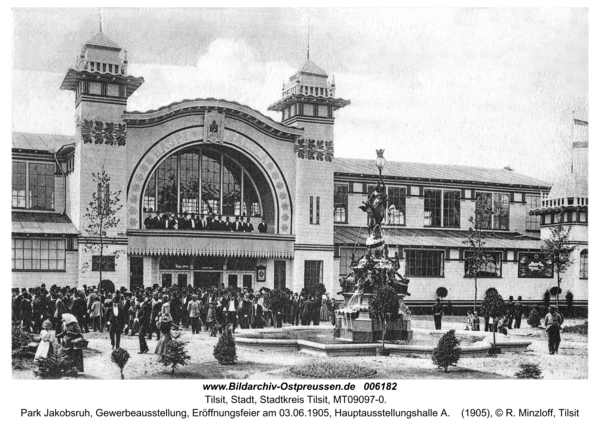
251	201
167	185
396	205
232	178
150	195
189	164
19	179
490	264
451	208
313	275
41	186
340	203
211	182
483	205
532	222
433	208
425	263
583	267
501	211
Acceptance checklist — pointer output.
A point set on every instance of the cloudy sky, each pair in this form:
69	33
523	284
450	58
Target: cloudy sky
480	87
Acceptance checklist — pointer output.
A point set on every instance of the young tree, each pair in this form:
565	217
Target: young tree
476	259
101	217
383	306
493	306
557	249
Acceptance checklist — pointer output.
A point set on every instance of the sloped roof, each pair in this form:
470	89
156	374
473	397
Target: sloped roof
40	141
434	238
101	40
436	172
42	223
312	68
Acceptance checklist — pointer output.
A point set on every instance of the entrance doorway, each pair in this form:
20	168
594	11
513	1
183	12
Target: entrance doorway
136	273
205	279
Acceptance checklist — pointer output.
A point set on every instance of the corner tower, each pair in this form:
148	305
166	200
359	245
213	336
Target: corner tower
308	102
102	87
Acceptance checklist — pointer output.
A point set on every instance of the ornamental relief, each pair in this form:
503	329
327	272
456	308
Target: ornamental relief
309	149
259	155
97	132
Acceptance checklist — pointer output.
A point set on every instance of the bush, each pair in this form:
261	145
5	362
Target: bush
333	369
447	352
54	367
441	292
582	328
534	318
107	285
529	371
547	298
554	290
175	356
224	350
383	306
120	357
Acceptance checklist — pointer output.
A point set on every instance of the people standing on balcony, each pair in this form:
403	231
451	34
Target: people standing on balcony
262	227
202	224
239	225
248	227
228	225
150	222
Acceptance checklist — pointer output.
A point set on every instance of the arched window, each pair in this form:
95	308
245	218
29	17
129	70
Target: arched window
583	264
202	181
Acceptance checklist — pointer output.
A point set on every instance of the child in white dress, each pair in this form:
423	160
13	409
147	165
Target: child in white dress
48	339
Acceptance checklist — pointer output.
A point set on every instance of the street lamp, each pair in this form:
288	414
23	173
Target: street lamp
380	161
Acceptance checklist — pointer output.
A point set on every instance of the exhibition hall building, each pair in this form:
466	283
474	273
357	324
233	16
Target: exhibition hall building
206	192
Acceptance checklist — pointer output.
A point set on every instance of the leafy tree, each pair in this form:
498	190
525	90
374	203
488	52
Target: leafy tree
101	217
441	292
557	249
175	356
384	306
120	357
493	306
476	258
447	352
224	350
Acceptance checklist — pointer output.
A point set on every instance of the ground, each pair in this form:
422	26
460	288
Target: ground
253	363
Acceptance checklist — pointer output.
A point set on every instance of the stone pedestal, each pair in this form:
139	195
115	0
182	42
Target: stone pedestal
363	329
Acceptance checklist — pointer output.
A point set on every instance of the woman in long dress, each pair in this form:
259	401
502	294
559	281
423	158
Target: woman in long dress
71	334
324	308
165	327
48	340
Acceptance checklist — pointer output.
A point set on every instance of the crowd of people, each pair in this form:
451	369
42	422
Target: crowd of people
212	222
156	311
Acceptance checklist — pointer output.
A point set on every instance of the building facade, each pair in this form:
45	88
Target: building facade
175	171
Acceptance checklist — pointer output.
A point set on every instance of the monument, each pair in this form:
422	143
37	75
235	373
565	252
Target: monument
353	321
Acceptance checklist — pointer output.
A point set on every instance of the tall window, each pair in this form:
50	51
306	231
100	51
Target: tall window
424	263
583	264
313	274
279	274
38	254
315	208
201	181
41	186
340	203
19	184
499	204
491	268
442	208
396	211
532	222
396	202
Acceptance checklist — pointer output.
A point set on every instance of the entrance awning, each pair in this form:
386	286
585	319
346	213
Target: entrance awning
210	243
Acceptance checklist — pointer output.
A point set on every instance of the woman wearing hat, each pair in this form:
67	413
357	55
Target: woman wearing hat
165	326
70	338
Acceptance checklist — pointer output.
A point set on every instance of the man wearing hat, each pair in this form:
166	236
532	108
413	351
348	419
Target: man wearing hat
552	322
518	312
262	227
438	312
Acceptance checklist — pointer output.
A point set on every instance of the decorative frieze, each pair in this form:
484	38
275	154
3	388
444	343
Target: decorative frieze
97	132
310	149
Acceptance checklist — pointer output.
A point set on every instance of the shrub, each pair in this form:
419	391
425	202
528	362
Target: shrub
55	366
554	290
20	339
333	369
529	371
534	318
441	292
108	286
447	352
582	328
120	357
175	356
547	298
384	305
224	350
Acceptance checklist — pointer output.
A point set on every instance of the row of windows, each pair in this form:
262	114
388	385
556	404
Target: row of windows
565	217
32	185
202	181
430	263
307	110
441	208
38	254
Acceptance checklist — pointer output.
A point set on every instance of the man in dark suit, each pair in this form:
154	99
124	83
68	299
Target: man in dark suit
438	312
201	224
262	227
155	317
149	222
239	225
79	310
219	224
143	318
59	310
256	314
210	219
228	225
117	319
248	227
295	310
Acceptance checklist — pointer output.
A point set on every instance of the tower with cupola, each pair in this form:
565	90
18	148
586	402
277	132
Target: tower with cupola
308	101
102	86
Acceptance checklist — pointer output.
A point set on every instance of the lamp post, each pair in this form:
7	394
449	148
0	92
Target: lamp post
380	161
